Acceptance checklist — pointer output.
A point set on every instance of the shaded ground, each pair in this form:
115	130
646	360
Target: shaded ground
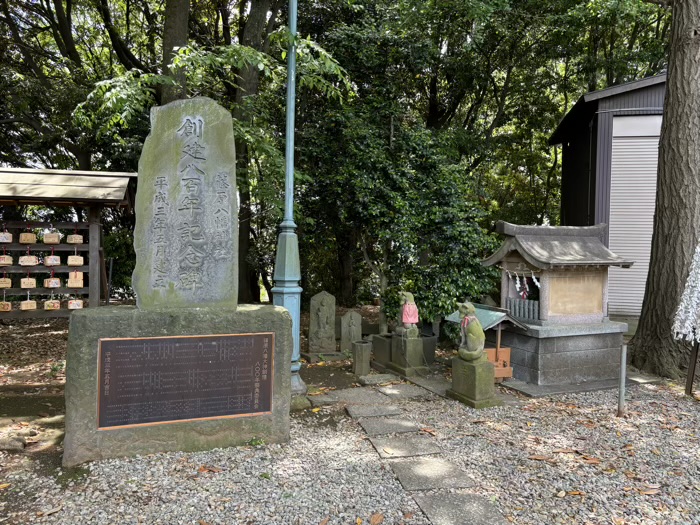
32	357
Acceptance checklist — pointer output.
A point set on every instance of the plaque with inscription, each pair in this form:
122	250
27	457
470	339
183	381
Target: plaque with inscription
154	380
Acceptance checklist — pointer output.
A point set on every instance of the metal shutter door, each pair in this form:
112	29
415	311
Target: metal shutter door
632	204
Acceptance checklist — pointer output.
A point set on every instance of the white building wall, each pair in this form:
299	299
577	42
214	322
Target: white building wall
635	150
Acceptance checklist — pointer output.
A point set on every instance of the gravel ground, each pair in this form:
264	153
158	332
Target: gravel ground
546	461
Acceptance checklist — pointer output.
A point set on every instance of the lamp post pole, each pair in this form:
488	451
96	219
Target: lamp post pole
287	275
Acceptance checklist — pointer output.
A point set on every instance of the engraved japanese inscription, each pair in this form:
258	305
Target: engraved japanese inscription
153	380
186	208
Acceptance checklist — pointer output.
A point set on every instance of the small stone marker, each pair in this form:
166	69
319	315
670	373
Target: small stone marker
186	236
361	351
429	473
322	324
350	330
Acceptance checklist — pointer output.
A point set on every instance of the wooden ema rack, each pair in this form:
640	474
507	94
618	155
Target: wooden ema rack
91	232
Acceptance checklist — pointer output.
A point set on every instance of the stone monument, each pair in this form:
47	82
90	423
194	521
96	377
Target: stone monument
350	330
186	369
472	373
322	324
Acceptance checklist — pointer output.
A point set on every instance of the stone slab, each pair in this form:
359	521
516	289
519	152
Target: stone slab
376	379
533	390
429	474
360	411
403	391
437	384
458	509
377	426
405	446
322	400
186	234
360	396
83	442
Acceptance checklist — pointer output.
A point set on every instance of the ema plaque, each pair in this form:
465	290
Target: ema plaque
152	380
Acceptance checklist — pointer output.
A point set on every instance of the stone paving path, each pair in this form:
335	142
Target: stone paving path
413	456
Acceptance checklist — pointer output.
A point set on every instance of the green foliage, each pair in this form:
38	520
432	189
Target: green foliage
419	124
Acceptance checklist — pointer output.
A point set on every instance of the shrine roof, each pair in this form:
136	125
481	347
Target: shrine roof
547	247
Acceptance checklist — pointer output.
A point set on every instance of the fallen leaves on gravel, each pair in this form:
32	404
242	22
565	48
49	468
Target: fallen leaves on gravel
376	519
3	486
325	521
430	431
542	458
207	468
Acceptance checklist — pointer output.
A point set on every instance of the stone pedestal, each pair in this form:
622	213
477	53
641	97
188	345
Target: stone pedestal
407	357
84	442
381	351
361	351
564	353
472	383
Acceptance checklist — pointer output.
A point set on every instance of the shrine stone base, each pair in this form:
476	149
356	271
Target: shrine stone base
564	353
84	442
472	383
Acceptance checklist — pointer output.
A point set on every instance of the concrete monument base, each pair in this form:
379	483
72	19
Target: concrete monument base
564	353
84	442
472	383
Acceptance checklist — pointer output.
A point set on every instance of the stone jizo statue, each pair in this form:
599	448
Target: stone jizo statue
409	315
471	345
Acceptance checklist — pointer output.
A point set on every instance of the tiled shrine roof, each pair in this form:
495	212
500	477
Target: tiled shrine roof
547	247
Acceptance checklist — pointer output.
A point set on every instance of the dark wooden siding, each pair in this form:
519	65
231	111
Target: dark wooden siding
641	101
577	185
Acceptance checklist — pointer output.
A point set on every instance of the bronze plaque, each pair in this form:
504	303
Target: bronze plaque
152	380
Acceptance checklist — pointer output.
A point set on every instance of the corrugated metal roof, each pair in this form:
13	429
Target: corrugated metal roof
586	106
488	316
65	187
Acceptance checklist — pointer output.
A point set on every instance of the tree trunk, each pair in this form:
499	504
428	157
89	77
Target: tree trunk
346	243
253	35
177	14
677	217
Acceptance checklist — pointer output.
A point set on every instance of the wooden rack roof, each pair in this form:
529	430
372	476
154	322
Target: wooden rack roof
66	188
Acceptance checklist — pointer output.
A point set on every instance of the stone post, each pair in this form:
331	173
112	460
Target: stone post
361	351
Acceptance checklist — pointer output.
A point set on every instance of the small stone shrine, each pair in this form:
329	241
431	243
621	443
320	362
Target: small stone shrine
554	280
322	324
350	330
186	369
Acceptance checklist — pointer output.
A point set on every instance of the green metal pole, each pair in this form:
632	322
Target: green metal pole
287	275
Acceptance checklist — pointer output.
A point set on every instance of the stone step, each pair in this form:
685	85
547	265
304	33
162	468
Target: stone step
405	446
377	426
429	474
458	509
